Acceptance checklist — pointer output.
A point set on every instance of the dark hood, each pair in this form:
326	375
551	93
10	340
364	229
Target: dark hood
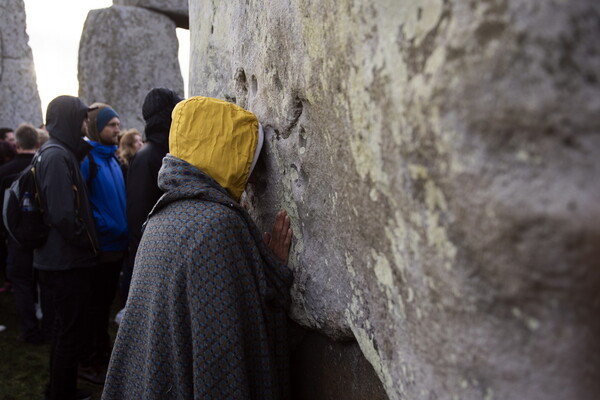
157	108
64	117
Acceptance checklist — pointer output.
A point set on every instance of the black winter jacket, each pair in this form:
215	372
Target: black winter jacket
142	175
72	240
11	170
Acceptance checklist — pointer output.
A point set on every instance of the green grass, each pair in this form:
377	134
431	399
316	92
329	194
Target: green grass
24	367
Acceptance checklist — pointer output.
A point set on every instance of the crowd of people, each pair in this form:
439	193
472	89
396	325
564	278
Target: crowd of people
204	293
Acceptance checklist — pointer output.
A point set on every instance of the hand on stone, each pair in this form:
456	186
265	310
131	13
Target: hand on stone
280	238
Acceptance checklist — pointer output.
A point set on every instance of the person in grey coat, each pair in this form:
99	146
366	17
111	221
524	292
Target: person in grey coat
206	313
65	260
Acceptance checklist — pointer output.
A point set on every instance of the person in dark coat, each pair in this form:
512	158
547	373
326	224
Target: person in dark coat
206	314
66	259
142	187
26	145
8	135
19	263
8	151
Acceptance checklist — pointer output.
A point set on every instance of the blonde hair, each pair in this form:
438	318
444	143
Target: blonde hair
126	149
43	136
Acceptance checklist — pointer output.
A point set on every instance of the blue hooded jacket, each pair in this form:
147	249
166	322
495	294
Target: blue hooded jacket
107	197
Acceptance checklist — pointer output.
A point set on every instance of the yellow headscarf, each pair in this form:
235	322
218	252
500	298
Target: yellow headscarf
217	137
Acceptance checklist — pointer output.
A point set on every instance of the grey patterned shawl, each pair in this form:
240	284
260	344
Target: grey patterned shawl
205	317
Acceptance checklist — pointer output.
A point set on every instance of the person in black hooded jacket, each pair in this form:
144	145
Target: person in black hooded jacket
142	187
65	260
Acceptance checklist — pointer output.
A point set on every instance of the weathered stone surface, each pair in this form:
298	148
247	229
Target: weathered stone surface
19	98
123	53
177	10
440	162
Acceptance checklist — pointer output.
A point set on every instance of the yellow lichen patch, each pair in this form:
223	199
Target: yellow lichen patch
410	295
383	271
418	171
355	307
349	266
531	323
374	79
434	198
435	204
421	18
404	243
294	175
437	237
374	195
436	61
385	277
367	152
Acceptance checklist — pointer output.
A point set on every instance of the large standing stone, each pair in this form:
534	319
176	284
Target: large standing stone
124	52
19	98
440	160
177	10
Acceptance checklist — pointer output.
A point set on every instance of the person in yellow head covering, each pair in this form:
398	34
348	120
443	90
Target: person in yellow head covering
217	137
206	312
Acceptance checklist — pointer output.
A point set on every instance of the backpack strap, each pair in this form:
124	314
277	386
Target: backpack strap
33	167
46	147
93	171
38	154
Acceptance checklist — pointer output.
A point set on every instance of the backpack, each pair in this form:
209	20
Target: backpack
22	211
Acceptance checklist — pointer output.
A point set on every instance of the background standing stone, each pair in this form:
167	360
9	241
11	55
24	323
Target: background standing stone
124	52
440	163
175	9
19	98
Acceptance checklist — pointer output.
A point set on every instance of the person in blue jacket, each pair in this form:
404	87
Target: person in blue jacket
106	186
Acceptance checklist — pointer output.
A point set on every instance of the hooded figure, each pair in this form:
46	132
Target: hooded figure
72	240
66	259
206	313
143	190
142	187
156	110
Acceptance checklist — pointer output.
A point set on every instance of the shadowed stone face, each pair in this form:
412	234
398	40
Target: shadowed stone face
19	98
439	160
